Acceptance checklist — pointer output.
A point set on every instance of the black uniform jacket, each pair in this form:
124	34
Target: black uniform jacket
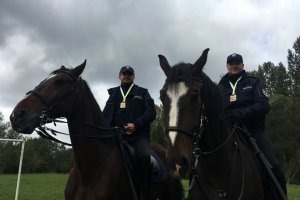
250	99
140	110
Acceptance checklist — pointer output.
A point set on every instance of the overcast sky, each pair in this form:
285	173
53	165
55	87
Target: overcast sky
39	36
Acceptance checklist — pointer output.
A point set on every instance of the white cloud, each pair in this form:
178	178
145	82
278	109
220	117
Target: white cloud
38	37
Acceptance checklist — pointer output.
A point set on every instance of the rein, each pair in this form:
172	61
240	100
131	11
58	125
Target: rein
111	132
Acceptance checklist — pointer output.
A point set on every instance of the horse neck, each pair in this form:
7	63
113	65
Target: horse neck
216	131
91	151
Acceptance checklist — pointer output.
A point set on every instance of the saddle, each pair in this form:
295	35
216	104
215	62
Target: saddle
159	170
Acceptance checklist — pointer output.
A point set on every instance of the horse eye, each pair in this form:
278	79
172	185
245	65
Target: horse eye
196	91
59	82
195	94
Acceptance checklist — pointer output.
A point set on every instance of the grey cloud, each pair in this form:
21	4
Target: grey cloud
113	33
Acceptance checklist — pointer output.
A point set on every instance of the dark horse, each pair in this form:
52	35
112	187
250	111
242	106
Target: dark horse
201	143
99	171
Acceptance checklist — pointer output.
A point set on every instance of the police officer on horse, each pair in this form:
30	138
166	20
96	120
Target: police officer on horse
132	108
247	105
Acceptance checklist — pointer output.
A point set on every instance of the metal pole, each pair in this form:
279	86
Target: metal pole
20	168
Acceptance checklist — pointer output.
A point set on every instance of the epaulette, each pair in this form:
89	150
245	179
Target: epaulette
254	77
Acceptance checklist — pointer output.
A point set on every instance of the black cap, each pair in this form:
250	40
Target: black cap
126	69
234	58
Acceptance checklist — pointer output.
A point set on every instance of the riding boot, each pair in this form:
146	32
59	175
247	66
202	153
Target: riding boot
144	166
146	174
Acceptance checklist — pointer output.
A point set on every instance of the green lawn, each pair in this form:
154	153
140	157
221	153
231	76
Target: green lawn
33	186
51	187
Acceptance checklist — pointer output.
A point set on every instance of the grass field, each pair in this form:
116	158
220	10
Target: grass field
51	187
33	186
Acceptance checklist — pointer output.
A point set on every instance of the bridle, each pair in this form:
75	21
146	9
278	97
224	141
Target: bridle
46	115
54	102
197	151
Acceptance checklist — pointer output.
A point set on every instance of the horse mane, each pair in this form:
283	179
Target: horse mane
63	68
213	102
83	86
180	72
93	102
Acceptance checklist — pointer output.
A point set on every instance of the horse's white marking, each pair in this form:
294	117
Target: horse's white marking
175	93
52	76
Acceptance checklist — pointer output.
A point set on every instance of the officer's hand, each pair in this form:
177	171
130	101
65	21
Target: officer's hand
236	116
129	128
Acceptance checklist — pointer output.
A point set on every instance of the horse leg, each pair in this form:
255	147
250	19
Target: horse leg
72	184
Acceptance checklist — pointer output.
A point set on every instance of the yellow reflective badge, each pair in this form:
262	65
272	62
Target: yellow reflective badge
232	98
123	105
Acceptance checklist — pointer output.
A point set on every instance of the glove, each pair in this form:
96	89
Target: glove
236	117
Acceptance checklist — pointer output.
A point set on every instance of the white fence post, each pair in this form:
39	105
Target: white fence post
20	164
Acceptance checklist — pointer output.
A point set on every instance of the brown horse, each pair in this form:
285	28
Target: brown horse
201	143
99	171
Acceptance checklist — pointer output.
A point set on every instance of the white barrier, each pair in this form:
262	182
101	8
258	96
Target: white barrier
20	164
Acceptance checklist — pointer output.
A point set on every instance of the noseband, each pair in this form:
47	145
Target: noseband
180	130
45	115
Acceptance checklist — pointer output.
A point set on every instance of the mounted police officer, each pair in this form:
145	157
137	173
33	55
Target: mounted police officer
132	108
246	104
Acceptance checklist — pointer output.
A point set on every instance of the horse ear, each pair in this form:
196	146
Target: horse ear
164	64
79	69
199	64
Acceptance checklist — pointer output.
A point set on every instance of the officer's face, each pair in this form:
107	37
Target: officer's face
234	68
126	77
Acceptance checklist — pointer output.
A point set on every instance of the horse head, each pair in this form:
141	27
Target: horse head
181	99
54	97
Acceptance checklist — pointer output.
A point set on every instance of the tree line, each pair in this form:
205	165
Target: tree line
282	86
40	155
280	83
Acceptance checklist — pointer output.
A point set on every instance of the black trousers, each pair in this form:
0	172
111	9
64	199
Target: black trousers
142	151
266	147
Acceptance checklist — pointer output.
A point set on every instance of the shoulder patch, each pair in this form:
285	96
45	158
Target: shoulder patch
247	87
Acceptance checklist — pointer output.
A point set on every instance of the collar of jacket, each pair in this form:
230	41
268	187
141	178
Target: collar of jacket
228	77
116	90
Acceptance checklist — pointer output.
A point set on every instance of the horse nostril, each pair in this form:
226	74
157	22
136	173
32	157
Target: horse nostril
19	114
183	163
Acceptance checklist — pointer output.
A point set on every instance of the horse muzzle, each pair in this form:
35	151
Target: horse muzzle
183	167
23	121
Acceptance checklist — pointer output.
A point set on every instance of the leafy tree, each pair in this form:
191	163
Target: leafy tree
157	127
274	79
283	129
9	151
43	155
294	67
3	126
